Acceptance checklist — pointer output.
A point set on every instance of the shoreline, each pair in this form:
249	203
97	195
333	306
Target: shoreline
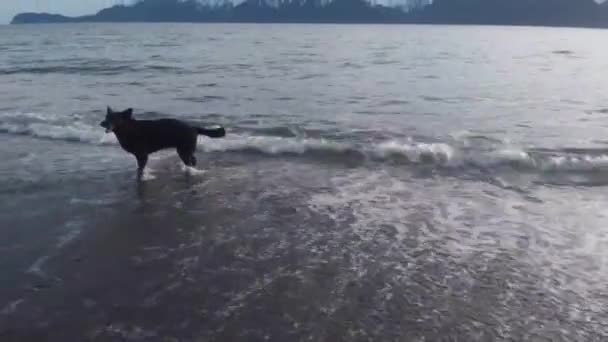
332	23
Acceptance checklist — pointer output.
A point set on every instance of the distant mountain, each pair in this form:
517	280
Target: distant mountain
39	18
578	13
516	12
337	11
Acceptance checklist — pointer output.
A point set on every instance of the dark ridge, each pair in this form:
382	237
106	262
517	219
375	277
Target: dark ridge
583	13
40	18
572	13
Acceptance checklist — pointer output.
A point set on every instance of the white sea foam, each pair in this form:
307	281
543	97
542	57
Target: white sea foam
464	220
269	145
11	307
68	237
416	152
77	132
36	267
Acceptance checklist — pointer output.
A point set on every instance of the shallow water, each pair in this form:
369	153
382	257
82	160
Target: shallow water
394	183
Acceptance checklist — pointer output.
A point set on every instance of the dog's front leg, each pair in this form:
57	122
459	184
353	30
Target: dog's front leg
142	159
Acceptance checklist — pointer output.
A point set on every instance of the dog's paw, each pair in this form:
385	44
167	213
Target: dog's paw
192	171
146	175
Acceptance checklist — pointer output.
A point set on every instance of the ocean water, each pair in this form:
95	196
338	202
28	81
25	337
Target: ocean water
377	183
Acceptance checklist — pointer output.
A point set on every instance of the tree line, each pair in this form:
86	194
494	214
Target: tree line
586	13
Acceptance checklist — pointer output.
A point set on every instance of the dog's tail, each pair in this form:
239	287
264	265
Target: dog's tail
212	131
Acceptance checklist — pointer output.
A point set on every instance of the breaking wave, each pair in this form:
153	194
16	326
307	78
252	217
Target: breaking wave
453	155
436	154
76	132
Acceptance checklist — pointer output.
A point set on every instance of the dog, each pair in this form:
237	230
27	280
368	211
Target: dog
144	137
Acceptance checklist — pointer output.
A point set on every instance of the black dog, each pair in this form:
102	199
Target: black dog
143	137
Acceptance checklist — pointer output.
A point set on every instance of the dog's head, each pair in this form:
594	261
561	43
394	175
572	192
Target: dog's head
116	119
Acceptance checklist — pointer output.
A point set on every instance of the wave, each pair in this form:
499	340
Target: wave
66	70
436	154
100	67
75	132
273	145
278	141
273	131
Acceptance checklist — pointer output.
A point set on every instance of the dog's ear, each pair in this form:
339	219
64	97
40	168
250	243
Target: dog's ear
109	110
128	114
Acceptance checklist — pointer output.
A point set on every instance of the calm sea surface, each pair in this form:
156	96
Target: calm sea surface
378	183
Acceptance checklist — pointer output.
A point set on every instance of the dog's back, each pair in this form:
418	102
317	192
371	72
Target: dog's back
149	136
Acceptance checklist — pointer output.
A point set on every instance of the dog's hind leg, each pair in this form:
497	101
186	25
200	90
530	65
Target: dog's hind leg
142	160
186	150
187	157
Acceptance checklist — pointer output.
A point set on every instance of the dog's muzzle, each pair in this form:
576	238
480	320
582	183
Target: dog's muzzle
107	126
